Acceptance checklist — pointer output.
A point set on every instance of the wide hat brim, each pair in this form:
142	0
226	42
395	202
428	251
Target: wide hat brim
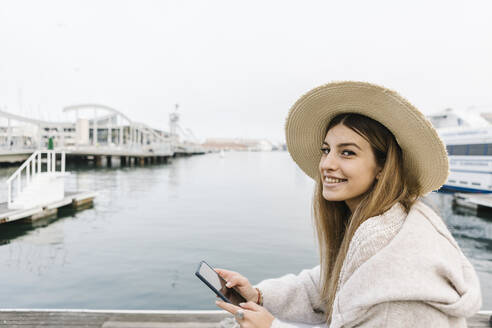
424	154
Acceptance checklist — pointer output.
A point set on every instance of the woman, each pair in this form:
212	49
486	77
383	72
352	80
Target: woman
386	259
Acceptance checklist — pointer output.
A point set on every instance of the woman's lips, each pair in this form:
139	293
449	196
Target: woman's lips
332	182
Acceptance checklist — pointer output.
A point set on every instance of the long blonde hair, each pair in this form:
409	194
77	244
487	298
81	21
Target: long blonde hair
335	225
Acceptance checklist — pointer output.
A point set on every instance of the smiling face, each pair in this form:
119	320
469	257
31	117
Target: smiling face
348	166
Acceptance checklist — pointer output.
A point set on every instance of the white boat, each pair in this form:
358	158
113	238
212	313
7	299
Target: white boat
468	139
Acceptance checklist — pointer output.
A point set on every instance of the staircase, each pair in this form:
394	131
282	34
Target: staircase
38	181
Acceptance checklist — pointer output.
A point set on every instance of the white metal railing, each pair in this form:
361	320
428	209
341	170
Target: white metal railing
31	168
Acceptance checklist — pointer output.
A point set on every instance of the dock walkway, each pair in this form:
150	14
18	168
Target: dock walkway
473	200
141	319
14	156
73	199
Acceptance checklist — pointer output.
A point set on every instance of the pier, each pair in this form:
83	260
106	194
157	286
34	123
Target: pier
74	200
103	136
144	319
474	201
104	132
37	190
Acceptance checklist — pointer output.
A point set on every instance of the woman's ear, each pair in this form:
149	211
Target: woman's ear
378	175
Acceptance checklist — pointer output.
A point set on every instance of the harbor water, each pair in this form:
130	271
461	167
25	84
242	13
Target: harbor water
139	245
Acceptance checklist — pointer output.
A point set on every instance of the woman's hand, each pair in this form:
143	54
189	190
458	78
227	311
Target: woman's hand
242	284
255	316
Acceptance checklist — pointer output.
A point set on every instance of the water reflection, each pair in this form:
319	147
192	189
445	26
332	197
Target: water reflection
481	212
16	229
39	247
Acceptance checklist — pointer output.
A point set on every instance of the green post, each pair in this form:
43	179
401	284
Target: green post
50	143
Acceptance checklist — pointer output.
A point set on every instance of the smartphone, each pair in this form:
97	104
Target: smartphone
218	285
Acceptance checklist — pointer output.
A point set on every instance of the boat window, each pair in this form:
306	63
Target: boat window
460	150
476	149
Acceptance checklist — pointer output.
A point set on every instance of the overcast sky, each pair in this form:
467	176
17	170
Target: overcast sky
235	67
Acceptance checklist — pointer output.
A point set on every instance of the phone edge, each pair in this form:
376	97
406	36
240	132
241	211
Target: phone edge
218	293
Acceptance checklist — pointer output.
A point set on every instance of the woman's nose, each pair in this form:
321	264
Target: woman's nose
328	162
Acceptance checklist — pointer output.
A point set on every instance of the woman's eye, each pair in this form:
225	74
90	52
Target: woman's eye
325	150
347	152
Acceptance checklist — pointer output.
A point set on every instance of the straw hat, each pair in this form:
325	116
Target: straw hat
424	154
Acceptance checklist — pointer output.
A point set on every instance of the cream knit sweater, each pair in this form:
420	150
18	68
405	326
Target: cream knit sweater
400	271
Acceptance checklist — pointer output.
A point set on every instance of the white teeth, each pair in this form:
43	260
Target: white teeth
333	180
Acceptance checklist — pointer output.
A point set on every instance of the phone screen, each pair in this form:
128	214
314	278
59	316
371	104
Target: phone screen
219	284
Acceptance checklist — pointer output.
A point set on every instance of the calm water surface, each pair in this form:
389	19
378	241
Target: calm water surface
139	246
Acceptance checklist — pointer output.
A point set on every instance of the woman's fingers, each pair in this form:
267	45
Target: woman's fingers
219	271
250	306
223	271
232	278
233	308
228	306
226	274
